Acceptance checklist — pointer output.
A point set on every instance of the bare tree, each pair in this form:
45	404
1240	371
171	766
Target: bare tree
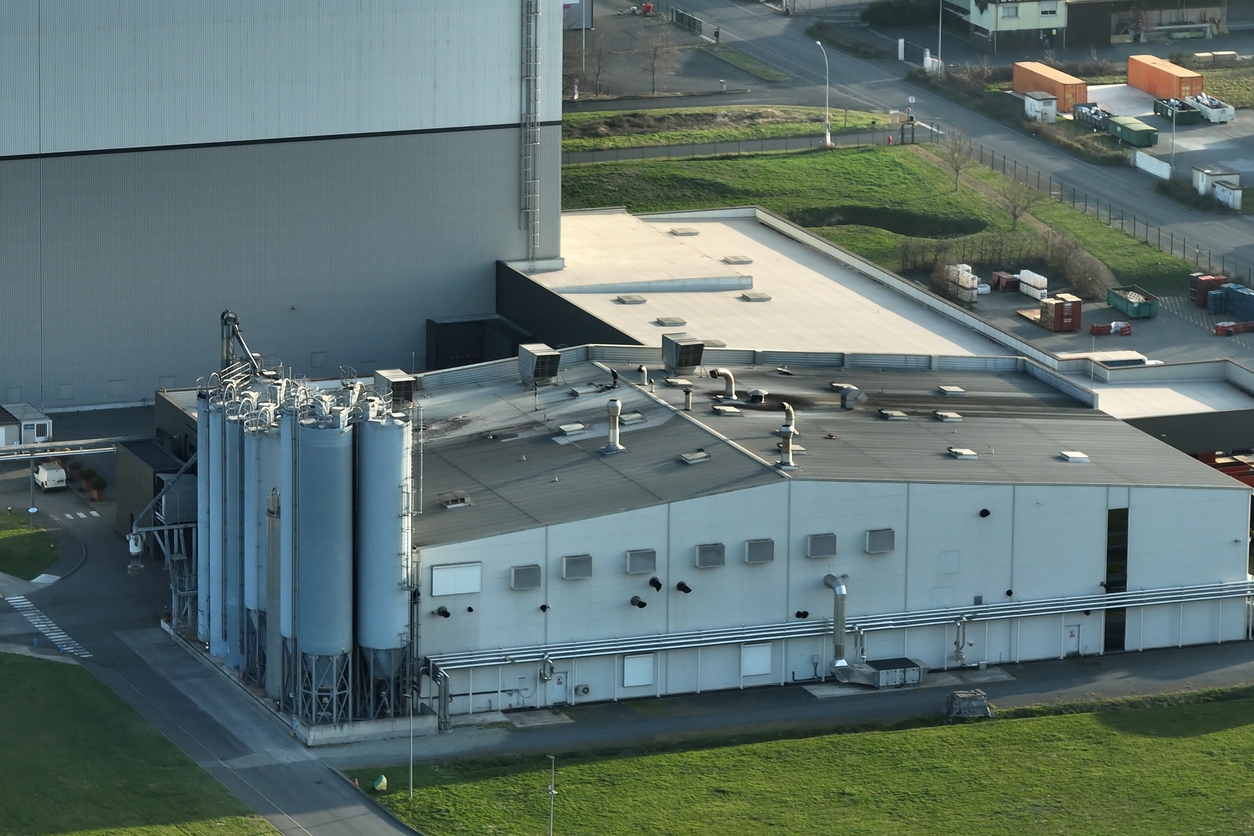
1017	199
598	51
955	150
657	51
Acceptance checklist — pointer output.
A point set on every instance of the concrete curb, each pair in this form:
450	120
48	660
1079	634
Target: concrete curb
370	800
23	650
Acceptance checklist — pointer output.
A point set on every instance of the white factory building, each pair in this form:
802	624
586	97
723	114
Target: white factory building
552	538
339	172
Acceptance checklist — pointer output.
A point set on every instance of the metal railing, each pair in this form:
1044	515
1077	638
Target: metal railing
1123	220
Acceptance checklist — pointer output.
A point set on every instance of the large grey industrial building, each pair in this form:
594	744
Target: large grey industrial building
337	172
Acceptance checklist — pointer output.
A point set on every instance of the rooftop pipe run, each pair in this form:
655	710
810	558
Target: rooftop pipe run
837	586
729	387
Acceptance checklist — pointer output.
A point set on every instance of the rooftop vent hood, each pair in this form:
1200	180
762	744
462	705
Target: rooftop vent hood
681	354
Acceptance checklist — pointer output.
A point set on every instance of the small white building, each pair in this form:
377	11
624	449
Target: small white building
21	423
1040	107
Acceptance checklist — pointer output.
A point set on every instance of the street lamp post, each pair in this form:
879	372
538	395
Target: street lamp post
1173	141
940	24
552	791
827	98
409	701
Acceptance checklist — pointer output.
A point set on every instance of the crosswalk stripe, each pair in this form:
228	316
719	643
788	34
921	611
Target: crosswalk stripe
45	625
81	515
69	516
94	513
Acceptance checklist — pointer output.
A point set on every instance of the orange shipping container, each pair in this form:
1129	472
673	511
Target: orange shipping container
1032	77
1161	78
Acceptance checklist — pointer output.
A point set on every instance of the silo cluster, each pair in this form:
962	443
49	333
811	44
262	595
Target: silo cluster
305	583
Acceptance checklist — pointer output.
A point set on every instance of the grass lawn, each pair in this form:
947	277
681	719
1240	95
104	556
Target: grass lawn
869	185
1180	769
1233	85
25	552
633	129
873	243
1132	261
78	760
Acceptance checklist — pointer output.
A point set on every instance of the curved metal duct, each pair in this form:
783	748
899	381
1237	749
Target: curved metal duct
729	387
837	586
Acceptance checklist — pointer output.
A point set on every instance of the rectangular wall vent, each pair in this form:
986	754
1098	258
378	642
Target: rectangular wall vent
1073	456
821	545
577	566
880	540
641	561
525	577
759	551
963	453
711	555
454	499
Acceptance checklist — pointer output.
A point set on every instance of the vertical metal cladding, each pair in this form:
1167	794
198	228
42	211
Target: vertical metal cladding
324	521
233	551
287	521
204	446
213	590
384	471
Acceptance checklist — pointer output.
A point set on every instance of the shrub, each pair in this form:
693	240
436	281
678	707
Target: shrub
98	482
86	474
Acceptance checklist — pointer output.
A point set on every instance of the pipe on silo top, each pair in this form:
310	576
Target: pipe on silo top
837	586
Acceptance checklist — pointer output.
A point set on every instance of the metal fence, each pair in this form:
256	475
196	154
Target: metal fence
1123	220
686	21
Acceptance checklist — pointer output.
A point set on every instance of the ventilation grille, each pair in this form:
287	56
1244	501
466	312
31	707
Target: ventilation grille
711	555
455	499
525	577
759	551
821	545
880	540
577	566
641	562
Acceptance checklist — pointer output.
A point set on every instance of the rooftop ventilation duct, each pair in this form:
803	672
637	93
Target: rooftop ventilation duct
538	364
681	354
786	433
729	383
840	595
615	409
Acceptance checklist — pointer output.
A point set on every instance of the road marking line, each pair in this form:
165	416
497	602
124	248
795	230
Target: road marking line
94	513
69	516
45	625
81	515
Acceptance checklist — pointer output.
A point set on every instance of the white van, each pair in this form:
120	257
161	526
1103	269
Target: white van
49	477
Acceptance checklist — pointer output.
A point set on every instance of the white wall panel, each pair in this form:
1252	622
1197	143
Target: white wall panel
1059	542
141	73
1180	535
952	548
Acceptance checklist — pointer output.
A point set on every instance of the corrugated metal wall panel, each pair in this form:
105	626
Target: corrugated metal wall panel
801	358
140	73
19	78
20	292
1060	383
980	364
333	252
626	354
729	357
889	361
478	373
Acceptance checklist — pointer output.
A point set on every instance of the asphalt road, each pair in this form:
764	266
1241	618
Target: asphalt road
780	41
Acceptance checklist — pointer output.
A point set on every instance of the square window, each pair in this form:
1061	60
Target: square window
641	562
456	578
755	659
1010	10
880	540
577	566
525	577
759	551
711	555
1049	7
821	545
638	670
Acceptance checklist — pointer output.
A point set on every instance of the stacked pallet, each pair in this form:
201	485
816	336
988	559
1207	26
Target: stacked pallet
1033	284
1061	313
963	283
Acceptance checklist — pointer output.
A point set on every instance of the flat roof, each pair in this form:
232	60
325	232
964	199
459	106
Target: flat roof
504	445
816	302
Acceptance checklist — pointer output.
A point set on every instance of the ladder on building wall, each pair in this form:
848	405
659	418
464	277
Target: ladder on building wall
530	126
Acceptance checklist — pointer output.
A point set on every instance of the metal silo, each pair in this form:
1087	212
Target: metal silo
384	473
261	476
233	550
213	591
324	566
287	554
204	448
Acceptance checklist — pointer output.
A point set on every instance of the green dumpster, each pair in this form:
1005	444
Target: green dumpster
1133	301
1132	131
1185	113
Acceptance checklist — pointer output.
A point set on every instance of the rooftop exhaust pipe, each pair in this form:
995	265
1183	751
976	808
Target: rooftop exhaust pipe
837	586
615	409
729	383
786	433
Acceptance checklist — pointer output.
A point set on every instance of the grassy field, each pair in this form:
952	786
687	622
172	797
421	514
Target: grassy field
78	760
1230	84
744	62
1132	261
863	199
25	552
1173	770
680	126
